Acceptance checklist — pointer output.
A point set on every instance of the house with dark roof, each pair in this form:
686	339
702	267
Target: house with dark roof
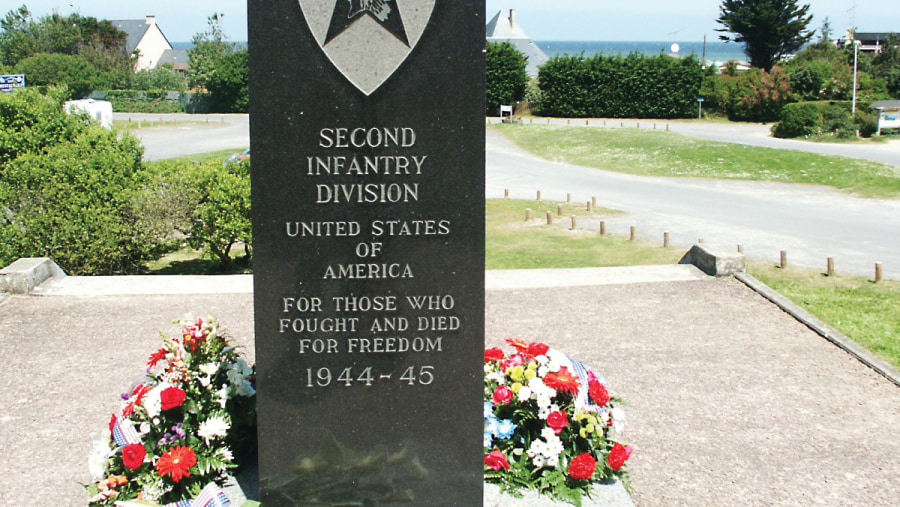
505	29
146	40
872	42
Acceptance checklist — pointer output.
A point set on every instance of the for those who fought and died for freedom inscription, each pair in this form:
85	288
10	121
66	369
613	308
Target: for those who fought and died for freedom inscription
367	130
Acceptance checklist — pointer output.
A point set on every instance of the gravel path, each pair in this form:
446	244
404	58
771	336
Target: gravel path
733	402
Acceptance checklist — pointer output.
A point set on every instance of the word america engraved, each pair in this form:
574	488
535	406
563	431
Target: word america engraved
368	240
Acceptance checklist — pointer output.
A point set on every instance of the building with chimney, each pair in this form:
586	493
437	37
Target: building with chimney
503	29
146	40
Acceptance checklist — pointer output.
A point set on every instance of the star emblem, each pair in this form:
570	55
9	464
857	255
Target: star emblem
347	12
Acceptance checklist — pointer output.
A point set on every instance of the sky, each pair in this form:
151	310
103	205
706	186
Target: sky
644	20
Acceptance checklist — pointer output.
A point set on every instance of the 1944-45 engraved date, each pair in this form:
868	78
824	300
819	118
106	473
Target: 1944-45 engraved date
325	377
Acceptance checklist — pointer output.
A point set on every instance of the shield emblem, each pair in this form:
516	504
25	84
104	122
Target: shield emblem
367	40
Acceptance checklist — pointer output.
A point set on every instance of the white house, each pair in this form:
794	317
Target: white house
502	29
145	37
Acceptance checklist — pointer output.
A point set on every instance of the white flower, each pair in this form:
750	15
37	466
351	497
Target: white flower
541	359
496	377
223	396
209	369
226	454
239	371
212	428
618	418
543	371
144	428
152	402
245	389
523	394
538	461
547	433
98	460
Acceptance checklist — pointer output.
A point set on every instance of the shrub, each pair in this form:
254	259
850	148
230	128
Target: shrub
221	215
66	189
635	86
797	120
505	76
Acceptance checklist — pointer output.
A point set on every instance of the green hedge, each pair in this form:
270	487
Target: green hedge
139	101
635	86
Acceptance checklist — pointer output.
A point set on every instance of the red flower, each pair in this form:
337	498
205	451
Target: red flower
171	398
562	380
502	396
598	393
156	357
493	354
536	349
557	421
496	461
519	345
176	463
133	456
582	467
618	456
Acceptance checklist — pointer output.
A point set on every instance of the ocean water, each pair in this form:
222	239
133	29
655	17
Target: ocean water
717	52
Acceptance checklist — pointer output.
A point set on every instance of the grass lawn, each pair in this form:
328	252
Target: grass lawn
513	243
866	312
660	153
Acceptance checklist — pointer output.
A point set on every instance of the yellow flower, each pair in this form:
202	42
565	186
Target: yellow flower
516	373
515	387
530	374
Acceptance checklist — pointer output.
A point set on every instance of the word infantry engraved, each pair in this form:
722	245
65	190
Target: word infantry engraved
367	40
367	126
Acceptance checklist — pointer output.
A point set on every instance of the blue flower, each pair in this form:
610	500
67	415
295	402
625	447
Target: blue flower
488	409
505	428
488	440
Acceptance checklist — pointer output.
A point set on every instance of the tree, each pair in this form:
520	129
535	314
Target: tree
505	76
886	65
21	36
769	29
228	85
209	47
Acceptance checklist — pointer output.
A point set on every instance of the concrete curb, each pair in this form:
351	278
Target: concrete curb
821	328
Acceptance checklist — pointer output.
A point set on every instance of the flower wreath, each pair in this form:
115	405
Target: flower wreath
175	436
549	424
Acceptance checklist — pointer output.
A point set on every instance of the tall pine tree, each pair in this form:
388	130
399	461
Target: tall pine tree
770	29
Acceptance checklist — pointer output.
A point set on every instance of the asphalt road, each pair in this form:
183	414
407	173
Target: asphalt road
810	223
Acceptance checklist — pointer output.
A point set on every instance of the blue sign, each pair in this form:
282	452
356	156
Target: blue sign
7	83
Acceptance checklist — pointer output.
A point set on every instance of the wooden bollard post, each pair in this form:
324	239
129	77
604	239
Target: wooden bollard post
667	127
505	193
538	196
877	272
548	121
207	120
174	120
568	198
549	218
632	235
530	121
527	214
604	123
829	269
602	227
638	126
589	210
654	125
665	240
559	209
587	123
740	248
621	124
574	225
129	120
593	202
568	122
783	263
